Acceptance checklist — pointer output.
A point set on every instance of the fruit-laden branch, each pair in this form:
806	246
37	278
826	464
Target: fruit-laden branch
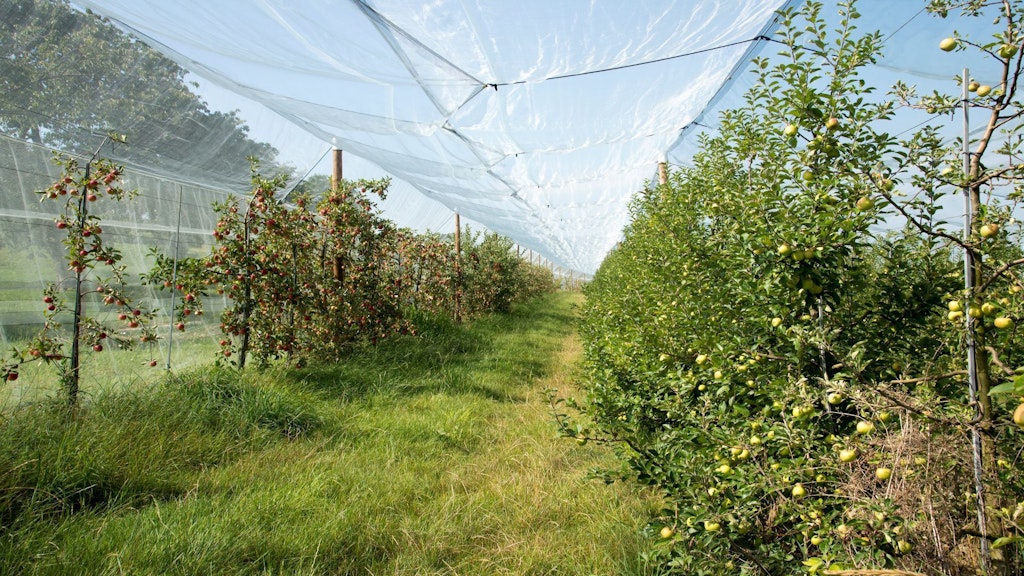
995	360
935	233
889	395
995	174
892	572
999	272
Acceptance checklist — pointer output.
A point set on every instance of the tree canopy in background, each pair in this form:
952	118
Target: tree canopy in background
69	78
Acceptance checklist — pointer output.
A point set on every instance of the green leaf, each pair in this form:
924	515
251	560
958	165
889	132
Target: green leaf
1014	387
813	564
1006	541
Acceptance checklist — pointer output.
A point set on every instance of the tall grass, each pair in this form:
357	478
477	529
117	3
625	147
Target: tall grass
427	455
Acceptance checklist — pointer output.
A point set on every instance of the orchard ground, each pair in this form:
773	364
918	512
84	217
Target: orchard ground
435	454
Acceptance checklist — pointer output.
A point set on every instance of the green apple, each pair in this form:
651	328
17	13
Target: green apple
1007	51
815	540
1003	322
799	491
712	526
947	44
1018	416
701	358
988	309
983	90
972	87
667	532
831	123
784	249
903	547
955	306
776	322
864	203
790	130
848	455
955	315
988	230
883	473
835	398
865	427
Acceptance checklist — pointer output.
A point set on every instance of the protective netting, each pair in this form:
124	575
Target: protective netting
538	120
535	119
173	217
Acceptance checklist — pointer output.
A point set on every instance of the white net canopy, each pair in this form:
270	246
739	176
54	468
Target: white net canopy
536	119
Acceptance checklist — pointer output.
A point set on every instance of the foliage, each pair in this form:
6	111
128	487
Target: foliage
97	278
312	281
409	456
492	274
781	366
63	77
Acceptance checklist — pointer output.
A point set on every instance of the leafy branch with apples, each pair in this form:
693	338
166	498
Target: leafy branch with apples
816	369
96	281
310	280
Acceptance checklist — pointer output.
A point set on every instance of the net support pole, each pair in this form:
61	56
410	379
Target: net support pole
337	174
174	283
336	167
972	352
76	327
662	173
458	268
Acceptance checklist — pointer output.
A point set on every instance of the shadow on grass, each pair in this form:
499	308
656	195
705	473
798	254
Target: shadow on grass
132	447
492	357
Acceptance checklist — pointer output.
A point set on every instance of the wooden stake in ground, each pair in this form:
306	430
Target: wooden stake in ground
336	176
458	268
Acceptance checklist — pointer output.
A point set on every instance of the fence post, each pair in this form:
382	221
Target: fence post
458	268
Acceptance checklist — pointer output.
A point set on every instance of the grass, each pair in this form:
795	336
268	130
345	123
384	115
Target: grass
428	455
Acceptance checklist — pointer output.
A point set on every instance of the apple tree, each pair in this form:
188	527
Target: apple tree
96	280
771	344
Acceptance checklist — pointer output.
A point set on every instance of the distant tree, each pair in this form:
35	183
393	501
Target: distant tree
67	78
313	186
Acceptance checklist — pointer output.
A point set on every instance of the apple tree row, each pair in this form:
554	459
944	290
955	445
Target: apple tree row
785	343
310	280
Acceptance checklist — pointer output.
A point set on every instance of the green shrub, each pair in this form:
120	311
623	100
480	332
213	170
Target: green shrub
781	366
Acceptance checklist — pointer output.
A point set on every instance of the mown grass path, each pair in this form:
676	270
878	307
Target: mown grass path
434	455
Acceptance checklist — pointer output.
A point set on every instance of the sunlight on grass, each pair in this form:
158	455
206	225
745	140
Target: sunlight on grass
430	456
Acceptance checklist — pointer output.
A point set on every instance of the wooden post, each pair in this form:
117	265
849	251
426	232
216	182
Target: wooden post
458	268
336	171
338	265
662	173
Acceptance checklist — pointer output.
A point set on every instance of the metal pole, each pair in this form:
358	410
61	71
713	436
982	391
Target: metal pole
73	377
174	283
972	355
